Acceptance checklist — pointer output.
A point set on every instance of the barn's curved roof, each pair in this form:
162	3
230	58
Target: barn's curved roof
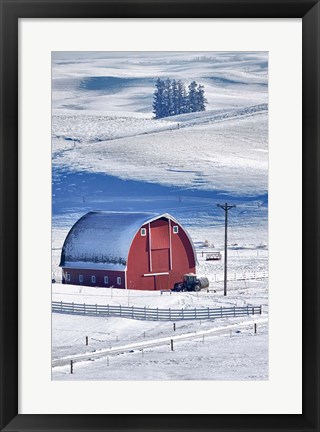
103	239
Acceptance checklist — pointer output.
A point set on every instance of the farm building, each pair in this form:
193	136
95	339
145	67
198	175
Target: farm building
127	250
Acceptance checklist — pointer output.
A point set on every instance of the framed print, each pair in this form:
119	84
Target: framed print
159	217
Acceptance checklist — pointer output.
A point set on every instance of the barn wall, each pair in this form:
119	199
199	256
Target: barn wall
138	262
183	260
99	274
157	247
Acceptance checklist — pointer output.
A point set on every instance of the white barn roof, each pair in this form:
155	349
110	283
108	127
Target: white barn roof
103	239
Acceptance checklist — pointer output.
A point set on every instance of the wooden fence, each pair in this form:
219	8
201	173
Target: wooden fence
240	276
143	313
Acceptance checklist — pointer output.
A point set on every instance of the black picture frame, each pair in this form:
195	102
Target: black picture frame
11	11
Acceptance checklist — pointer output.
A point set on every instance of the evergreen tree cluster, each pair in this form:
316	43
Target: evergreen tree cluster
172	98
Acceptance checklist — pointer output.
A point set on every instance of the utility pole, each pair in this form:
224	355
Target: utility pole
226	208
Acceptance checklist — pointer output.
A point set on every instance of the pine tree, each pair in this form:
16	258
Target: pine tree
201	100
167	104
175	106
158	99
192	97
182	99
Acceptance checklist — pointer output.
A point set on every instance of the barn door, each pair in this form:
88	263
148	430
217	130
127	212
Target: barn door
148	283
161	282
160	246
160	260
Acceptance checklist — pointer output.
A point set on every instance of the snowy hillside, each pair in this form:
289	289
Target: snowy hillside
197	155
123	82
97	127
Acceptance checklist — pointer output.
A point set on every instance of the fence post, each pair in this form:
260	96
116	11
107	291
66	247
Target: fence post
120	311
208	312
195	313
87	340
145	313
84	308
255	328
71	366
174	326
260	309
157	314
182	313
234	311
72	307
221	311
247	310
171	342
132	312
169	314
96	309
108	310
252	310
61	306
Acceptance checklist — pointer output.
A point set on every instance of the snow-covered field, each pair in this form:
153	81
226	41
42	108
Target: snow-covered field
233	352
108	153
188	157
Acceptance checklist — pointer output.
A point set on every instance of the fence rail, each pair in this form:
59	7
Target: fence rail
240	276
143	313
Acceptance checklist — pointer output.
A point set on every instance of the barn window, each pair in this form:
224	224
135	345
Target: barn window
119	280
106	280
175	229
80	278
68	277
143	232
93	279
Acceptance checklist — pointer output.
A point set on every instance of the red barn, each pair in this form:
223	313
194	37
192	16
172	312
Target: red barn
127	250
